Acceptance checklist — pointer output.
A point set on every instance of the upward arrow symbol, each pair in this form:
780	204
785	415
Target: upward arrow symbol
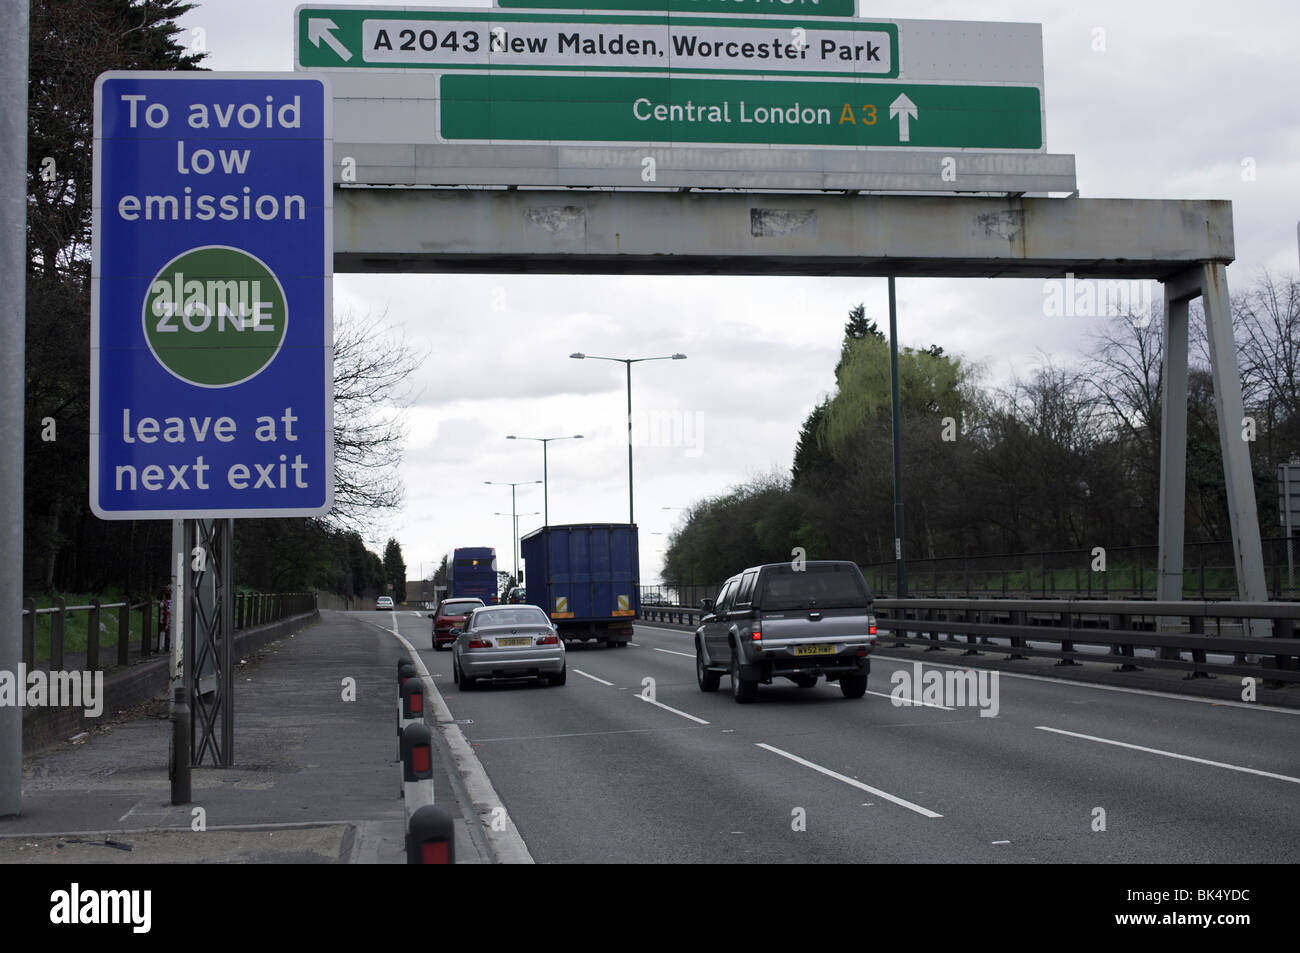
904	109
321	29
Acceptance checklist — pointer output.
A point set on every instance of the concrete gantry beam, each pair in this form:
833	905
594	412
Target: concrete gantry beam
390	230
704	167
1185	244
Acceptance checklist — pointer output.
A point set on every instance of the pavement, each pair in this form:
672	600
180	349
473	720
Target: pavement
316	777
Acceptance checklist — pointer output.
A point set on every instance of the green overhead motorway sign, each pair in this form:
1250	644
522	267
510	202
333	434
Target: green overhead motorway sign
533	108
681	93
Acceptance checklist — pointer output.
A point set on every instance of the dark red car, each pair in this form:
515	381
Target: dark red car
451	614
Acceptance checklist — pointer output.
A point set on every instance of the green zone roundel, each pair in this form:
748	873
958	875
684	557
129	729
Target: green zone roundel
215	316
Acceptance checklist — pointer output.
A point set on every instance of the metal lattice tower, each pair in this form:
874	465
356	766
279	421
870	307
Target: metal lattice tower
209	640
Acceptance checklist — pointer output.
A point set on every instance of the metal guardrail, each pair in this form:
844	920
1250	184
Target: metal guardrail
1175	632
1180	635
676	615
250	609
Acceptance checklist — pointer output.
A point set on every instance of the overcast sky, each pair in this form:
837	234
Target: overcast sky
1179	98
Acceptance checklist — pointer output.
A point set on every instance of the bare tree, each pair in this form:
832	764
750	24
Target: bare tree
372	370
1127	373
1267	322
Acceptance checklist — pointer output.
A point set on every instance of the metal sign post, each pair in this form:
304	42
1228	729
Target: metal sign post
179	762
1288	506
13	310
900	557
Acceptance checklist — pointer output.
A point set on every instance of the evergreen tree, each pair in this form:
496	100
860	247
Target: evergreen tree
395	570
857	328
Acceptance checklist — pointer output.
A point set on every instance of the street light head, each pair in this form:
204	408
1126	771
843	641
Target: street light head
510	436
577	436
679	357
577	355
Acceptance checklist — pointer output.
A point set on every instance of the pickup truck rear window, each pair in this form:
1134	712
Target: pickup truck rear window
822	587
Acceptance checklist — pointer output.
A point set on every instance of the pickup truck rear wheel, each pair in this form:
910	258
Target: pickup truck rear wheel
708	680
742	691
853	686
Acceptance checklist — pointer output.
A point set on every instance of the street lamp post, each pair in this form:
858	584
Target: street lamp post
546	512
514	522
628	362
514	548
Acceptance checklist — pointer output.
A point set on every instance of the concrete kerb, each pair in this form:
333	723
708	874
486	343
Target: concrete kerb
506	846
124	688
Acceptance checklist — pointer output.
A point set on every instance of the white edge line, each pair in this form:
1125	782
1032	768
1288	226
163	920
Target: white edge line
578	671
673	710
671	652
926	812
1171	754
507	846
1225	702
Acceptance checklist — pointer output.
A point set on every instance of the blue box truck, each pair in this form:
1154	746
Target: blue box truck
474	573
587	578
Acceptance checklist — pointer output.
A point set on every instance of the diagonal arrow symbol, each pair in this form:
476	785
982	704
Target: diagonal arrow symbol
322	29
904	109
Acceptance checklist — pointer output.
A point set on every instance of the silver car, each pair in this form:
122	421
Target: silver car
507	641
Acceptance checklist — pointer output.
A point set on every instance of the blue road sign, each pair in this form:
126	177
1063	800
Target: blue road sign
211	322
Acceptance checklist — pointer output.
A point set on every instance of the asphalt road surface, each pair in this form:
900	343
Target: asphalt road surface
594	772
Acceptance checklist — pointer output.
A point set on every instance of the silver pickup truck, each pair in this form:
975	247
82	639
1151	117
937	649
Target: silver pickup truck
788	620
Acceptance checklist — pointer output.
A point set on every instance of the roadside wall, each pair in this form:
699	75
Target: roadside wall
137	683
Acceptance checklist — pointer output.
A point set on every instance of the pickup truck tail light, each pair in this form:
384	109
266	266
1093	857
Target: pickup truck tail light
871	625
756	632
480	644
